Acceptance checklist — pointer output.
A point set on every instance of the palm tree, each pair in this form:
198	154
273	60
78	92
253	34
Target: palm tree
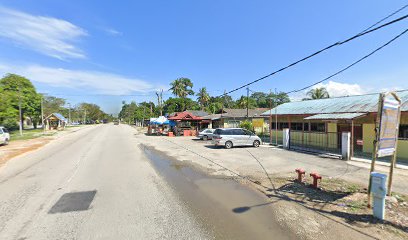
203	97
182	87
317	93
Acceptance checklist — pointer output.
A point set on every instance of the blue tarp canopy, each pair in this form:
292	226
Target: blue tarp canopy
170	123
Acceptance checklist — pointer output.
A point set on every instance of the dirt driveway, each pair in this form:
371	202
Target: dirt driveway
276	161
340	200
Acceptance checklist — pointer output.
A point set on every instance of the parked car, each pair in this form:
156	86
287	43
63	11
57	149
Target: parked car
4	136
206	134
232	137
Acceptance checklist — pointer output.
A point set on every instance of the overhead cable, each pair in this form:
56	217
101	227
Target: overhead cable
351	65
320	51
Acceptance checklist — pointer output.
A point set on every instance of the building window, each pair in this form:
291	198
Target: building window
296	126
233	123
403	132
281	125
306	126
318	127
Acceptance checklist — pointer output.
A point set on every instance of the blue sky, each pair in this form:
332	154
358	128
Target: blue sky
98	51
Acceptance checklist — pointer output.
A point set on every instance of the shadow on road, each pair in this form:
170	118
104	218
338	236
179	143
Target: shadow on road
73	202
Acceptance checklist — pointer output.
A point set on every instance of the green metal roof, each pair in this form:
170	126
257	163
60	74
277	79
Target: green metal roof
349	104
335	116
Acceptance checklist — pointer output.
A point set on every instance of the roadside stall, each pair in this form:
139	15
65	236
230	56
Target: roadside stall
160	126
187	124
55	121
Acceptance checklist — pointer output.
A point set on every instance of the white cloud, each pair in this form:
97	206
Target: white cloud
93	81
50	36
337	89
113	32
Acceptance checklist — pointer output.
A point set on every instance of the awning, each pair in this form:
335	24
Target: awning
336	116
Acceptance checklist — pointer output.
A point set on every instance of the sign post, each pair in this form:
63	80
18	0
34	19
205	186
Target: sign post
387	125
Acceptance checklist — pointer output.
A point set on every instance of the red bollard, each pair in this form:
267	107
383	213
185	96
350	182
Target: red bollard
301	174
316	177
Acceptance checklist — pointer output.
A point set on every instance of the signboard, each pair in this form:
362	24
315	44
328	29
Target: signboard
258	122
388	127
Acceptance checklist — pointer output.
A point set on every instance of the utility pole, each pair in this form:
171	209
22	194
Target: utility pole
270	116
276	120
160	101
69	113
42	113
144	112
20	111
85	117
247	103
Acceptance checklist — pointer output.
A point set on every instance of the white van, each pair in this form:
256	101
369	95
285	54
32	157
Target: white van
4	136
231	137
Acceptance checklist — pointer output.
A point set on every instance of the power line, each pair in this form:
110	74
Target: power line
351	65
390	15
320	51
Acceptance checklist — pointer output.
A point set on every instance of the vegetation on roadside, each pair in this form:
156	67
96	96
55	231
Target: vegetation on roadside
182	89
17	90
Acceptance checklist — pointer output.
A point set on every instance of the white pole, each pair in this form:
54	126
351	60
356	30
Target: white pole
20	111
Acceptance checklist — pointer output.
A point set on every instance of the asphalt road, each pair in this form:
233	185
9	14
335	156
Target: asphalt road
91	184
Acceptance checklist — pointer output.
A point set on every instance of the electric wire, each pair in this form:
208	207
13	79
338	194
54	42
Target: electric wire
351	65
319	51
390	15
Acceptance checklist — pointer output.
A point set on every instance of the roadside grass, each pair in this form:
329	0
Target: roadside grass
29	134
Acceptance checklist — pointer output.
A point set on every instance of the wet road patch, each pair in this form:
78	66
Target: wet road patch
73	202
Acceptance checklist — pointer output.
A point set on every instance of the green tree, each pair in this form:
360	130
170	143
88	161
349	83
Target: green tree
247	125
172	105
261	99
182	87
264	100
53	104
242	102
19	89
8	114
317	93
91	112
203	97
217	103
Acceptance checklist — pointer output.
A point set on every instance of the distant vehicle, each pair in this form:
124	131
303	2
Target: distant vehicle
4	136
206	134
232	137
116	122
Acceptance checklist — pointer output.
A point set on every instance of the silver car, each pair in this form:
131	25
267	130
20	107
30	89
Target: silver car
232	137
4	136
206	134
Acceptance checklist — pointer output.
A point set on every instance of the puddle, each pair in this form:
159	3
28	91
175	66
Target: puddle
224	207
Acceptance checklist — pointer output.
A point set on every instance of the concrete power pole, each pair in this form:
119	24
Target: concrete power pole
69	113
42	113
276	120
20	112
247	104
270	117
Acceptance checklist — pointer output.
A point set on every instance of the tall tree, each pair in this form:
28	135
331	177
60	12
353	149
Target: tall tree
182	87
203	97
20	90
242	102
53	104
317	93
